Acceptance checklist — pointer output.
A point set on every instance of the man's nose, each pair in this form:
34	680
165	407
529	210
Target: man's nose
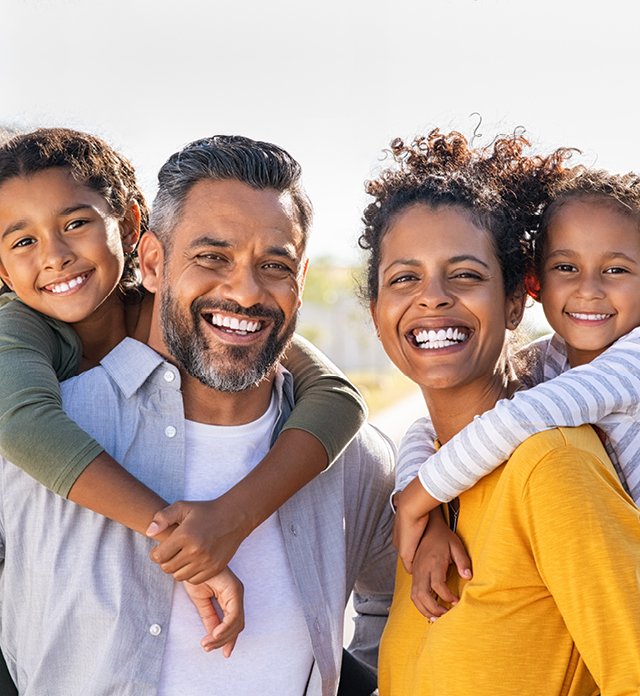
242	286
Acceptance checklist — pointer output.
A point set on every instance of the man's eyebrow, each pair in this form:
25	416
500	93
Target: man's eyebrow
210	241
282	251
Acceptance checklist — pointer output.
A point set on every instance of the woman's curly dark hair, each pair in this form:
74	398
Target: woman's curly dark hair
500	188
620	191
92	163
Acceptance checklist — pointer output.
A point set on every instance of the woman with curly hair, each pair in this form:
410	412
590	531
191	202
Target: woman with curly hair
446	236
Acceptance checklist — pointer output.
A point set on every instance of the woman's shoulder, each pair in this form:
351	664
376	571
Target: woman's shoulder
557	450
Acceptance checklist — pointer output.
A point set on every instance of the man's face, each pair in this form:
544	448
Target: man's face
232	283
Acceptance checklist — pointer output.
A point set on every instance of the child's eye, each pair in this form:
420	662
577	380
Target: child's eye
75	224
616	269
565	268
24	242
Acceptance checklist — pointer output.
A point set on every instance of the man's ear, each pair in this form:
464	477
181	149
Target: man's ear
301	280
130	227
151	255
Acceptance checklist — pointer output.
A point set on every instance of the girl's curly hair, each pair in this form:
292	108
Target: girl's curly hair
619	191
499	187
92	163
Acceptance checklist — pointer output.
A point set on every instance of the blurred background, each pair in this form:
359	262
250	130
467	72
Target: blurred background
332	82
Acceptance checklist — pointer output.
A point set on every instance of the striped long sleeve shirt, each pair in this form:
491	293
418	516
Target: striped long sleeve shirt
605	392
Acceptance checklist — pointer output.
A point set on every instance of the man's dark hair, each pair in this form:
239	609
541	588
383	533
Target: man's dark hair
222	157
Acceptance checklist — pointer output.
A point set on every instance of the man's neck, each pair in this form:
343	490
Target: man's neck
205	405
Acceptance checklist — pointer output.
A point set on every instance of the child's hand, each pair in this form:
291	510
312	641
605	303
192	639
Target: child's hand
439	548
208	535
413	505
229	592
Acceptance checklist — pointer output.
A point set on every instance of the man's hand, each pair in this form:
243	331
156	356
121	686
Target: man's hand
412	514
438	549
206	539
229	592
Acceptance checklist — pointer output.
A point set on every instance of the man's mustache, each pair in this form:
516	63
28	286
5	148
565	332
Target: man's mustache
202	306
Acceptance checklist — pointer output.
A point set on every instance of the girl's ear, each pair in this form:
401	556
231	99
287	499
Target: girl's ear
130	227
151	258
5	276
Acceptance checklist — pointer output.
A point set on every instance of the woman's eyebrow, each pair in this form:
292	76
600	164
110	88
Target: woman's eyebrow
469	257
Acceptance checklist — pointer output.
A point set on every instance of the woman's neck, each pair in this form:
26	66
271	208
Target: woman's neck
453	409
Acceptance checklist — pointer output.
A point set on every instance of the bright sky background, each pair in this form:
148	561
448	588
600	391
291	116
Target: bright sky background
332	81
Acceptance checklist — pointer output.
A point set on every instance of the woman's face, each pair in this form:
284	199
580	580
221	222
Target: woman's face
441	311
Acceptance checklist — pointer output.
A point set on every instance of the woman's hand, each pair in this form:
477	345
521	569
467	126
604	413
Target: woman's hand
206	538
438	549
229	593
413	505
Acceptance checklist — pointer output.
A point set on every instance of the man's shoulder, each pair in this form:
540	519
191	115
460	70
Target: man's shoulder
371	455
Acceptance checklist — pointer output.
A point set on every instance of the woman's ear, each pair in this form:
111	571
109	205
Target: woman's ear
130	227
514	308
373	308
151	258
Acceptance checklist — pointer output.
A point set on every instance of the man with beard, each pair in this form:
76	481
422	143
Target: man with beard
190	414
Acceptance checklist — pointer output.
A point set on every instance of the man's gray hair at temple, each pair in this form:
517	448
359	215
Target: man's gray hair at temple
258	164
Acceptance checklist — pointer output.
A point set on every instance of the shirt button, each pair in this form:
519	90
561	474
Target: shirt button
293	530
155	629
169	376
170	431
316	625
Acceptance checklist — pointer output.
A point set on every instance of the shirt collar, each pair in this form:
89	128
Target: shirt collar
131	363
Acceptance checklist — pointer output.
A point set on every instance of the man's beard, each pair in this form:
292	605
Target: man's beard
235	367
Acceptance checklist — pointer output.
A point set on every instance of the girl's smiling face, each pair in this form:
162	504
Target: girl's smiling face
441	311
590	276
61	248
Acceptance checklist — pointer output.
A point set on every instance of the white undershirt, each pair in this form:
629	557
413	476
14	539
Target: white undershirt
273	654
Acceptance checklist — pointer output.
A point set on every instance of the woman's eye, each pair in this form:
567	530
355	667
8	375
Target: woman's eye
406	277
466	275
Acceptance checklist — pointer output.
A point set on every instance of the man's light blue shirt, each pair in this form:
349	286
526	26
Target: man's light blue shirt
83	609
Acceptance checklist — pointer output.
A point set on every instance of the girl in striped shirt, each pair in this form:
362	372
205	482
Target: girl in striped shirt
586	256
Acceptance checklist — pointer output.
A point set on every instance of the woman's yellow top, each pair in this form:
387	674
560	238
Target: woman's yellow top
554	603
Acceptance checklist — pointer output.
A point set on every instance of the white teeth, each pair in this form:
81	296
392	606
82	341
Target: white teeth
63	287
430	339
589	317
233	324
